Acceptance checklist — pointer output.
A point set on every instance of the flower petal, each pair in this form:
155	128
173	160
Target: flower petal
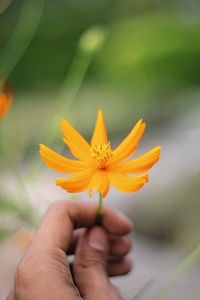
129	144
74	140
138	165
76	184
59	162
100	183
100	134
127	183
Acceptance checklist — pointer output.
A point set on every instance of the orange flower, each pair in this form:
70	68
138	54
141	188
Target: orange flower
98	166
6	98
23	239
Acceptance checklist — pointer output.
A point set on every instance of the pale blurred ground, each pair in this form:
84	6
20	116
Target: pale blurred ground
149	68
155	258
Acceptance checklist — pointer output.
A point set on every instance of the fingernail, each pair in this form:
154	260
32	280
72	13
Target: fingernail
97	239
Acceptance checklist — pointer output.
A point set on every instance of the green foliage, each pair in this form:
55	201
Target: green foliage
157	52
4	234
7	206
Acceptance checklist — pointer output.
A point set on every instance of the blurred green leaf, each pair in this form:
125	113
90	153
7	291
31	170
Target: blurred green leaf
4	4
24	213
152	52
7	206
5	233
22	36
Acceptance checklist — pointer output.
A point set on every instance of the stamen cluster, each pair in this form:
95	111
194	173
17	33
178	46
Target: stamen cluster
101	153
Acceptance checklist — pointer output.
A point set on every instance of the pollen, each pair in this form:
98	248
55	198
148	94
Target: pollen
101	153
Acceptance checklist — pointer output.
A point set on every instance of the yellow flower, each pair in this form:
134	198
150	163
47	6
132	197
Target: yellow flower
6	98
98	166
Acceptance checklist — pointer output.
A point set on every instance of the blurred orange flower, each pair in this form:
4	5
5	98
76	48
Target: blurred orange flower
6	97
98	166
23	239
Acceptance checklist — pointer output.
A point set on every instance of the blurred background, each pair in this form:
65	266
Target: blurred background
134	59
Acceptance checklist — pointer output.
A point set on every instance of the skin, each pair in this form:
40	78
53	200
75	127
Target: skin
99	252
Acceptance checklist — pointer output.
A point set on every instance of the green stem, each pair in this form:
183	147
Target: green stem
89	43
87	47
69	90
66	97
99	210
184	267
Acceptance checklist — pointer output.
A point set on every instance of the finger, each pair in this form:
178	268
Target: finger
118	245
45	260
76	235
115	267
62	217
11	295
119	266
90	266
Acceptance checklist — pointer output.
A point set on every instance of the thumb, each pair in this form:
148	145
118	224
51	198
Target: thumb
90	266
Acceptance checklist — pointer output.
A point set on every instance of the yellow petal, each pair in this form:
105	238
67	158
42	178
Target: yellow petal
74	140
138	165
100	183
59	162
77	183
127	183
129	144
100	134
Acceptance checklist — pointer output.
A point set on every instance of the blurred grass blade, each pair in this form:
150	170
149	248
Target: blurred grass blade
140	294
89	43
23	34
4	4
68	92
7	205
184	267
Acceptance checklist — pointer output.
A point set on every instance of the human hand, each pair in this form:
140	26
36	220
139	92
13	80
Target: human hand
100	252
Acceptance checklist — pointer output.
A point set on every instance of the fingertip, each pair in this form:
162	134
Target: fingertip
117	223
119	245
127	223
119	267
126	246
129	263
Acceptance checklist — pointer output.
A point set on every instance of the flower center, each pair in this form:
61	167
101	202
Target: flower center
101	153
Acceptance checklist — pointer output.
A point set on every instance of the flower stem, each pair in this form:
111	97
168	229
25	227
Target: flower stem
69	91
99	210
65	99
185	266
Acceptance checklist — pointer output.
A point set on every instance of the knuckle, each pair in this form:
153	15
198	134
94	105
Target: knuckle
88	263
58	205
114	293
22	276
61	207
